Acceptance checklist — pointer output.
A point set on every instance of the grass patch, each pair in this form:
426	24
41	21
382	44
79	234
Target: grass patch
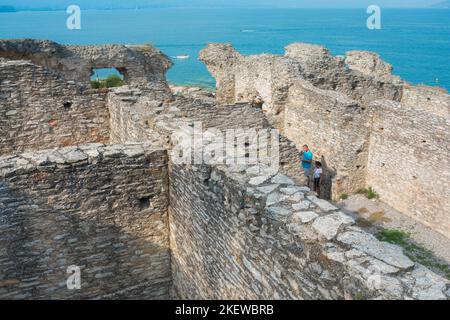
111	81
369	193
364	223
415	252
379	216
343	196
359	296
363	210
394	236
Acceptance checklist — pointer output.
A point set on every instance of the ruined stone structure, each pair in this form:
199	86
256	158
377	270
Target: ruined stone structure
142	66
367	126
102	208
90	178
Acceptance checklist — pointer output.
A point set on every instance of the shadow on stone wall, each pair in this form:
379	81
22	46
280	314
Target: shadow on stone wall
329	175
106	213
40	241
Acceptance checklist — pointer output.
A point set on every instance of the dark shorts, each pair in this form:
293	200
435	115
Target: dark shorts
307	172
316	182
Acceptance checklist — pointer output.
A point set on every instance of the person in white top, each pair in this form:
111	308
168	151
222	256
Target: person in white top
318	177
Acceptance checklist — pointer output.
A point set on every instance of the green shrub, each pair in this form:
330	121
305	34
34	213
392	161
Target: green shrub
114	81
393	236
369	193
343	196
111	81
96	84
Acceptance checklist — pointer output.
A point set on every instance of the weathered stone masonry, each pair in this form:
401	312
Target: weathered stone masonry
102	208
235	239
41	110
418	143
142	66
368	126
141	226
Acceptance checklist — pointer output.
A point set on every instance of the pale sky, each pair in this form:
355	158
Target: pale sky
221	3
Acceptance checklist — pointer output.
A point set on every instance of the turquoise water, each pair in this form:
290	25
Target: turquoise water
415	41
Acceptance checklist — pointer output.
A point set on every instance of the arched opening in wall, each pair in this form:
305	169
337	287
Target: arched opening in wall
107	78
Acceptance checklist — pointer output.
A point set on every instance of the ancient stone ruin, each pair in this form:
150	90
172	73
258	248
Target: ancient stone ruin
369	127
89	177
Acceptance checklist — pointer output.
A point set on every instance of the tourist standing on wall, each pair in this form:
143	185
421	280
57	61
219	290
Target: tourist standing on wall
306	157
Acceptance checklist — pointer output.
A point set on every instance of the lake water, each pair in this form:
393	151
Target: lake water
415	41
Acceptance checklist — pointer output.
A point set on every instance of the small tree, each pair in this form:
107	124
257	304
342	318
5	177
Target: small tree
111	81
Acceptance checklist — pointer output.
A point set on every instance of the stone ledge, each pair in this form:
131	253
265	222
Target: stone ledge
73	155
382	266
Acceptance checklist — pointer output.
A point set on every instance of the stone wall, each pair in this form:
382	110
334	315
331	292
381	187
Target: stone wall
203	113
429	99
249	234
142	66
408	163
360	75
140	225
336	128
39	110
265	79
102	208
327	102
129	115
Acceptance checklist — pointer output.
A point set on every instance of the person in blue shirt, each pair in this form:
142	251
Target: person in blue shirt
307	159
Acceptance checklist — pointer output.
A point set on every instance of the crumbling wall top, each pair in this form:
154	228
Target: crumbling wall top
142	66
219	55
313	56
369	63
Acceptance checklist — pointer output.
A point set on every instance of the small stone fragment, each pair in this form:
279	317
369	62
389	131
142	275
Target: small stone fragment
322	204
267	189
282	179
303	205
258	180
304	217
328	226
